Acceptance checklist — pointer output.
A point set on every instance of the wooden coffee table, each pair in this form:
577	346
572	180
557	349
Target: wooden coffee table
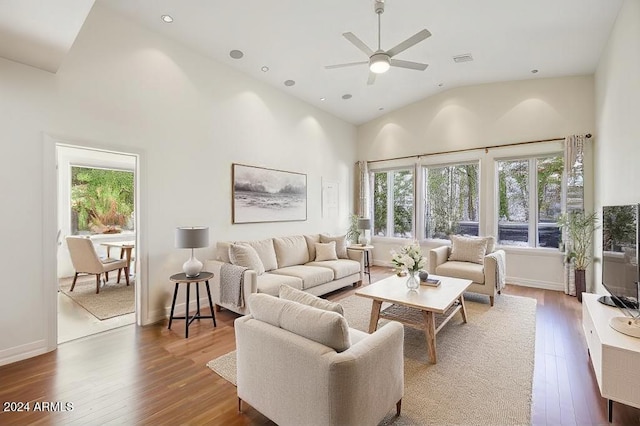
428	308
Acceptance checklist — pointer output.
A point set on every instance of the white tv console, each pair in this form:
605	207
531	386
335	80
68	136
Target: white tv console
615	356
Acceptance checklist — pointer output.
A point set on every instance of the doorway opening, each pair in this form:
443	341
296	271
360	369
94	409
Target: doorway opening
96	202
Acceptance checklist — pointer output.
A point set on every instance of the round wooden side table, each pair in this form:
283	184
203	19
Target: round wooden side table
182	278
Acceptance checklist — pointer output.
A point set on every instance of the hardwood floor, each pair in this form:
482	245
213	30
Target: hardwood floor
151	375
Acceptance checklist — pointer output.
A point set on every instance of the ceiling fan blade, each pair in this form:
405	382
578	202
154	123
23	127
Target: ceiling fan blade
358	43
414	39
372	78
408	64
350	64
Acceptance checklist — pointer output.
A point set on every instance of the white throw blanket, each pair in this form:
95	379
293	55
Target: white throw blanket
500	270
231	284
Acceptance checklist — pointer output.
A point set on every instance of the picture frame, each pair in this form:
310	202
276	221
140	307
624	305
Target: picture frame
261	194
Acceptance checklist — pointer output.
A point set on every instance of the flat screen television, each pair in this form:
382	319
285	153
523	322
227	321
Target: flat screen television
620	269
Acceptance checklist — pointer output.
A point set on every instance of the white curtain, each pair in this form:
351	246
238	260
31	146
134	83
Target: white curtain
574	196
363	189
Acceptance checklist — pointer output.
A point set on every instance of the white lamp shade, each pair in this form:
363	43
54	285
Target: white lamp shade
192	237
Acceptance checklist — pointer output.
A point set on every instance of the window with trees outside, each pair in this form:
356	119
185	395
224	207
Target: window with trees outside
451	200
530	201
102	200
393	203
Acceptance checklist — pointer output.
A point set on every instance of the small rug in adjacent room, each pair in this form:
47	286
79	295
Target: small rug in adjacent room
484	374
114	299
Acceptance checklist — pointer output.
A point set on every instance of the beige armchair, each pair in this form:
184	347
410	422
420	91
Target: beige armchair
488	274
86	261
301	365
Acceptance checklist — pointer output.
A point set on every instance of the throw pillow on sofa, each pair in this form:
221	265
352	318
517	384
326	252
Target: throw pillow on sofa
341	244
246	256
468	249
295	295
326	251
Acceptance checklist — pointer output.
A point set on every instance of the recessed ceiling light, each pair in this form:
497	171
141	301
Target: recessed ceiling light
166	18
534	71
265	68
440	84
323	99
346	96
289	83
381	109
236	54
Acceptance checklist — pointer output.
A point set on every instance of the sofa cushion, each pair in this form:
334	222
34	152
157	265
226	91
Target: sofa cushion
341	244
290	293
326	251
266	252
270	283
246	256
341	267
311	276
291	250
311	245
325	327
467	270
222	251
468	249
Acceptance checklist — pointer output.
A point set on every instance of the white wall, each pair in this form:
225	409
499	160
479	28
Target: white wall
617	87
188	118
487	115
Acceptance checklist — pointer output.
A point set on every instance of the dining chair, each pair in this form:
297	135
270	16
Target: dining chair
86	261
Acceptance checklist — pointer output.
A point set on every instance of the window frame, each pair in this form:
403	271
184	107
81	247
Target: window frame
532	180
390	231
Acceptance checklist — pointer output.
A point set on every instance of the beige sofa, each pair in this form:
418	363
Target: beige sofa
300	365
290	261
484	266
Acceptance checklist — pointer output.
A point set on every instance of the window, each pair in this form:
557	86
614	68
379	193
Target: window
451	200
393	205
102	200
523	219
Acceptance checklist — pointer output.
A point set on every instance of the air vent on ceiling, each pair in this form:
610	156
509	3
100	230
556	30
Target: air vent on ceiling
463	58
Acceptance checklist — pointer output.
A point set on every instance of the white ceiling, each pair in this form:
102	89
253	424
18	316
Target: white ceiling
40	33
297	38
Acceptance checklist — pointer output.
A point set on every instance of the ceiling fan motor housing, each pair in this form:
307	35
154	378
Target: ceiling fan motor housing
379	62
378	6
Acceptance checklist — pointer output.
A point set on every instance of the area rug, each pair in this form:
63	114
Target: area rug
114	299
484	373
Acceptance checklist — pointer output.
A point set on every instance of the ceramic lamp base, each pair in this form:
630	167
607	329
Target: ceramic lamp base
192	267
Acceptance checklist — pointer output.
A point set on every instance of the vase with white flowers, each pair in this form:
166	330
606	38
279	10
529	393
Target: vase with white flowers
409	259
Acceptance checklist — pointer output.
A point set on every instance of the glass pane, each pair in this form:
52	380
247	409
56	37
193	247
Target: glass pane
403	204
451	201
513	192
549	200
101	200
380	204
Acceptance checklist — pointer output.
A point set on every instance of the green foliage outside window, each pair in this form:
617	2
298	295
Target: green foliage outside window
401	193
101	200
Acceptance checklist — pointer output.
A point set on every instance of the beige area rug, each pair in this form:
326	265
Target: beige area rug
114	299
484	373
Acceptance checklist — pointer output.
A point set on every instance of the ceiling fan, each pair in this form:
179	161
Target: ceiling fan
380	60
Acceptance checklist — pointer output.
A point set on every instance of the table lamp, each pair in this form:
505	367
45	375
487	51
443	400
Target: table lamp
192	237
364	224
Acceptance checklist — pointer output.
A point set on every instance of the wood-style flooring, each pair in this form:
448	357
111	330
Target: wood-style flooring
151	375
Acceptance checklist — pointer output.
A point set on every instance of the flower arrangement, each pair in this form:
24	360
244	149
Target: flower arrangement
409	258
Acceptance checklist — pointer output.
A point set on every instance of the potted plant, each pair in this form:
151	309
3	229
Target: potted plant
354	232
579	227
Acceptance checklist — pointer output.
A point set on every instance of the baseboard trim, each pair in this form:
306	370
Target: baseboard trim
18	353
544	285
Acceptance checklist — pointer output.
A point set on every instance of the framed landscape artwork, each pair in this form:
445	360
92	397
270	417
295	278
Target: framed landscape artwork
267	195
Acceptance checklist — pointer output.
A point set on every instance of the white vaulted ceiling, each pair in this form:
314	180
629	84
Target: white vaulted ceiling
297	38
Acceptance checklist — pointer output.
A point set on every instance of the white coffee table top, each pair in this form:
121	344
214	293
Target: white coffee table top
435	299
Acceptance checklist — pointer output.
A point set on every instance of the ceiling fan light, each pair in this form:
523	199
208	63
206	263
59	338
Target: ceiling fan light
379	63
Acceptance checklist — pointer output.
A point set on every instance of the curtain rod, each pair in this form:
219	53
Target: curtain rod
486	149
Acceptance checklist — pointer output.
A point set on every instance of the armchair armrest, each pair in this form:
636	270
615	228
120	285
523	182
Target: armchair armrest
437	256
250	285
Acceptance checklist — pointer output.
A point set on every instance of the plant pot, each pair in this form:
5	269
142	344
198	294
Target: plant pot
581	283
